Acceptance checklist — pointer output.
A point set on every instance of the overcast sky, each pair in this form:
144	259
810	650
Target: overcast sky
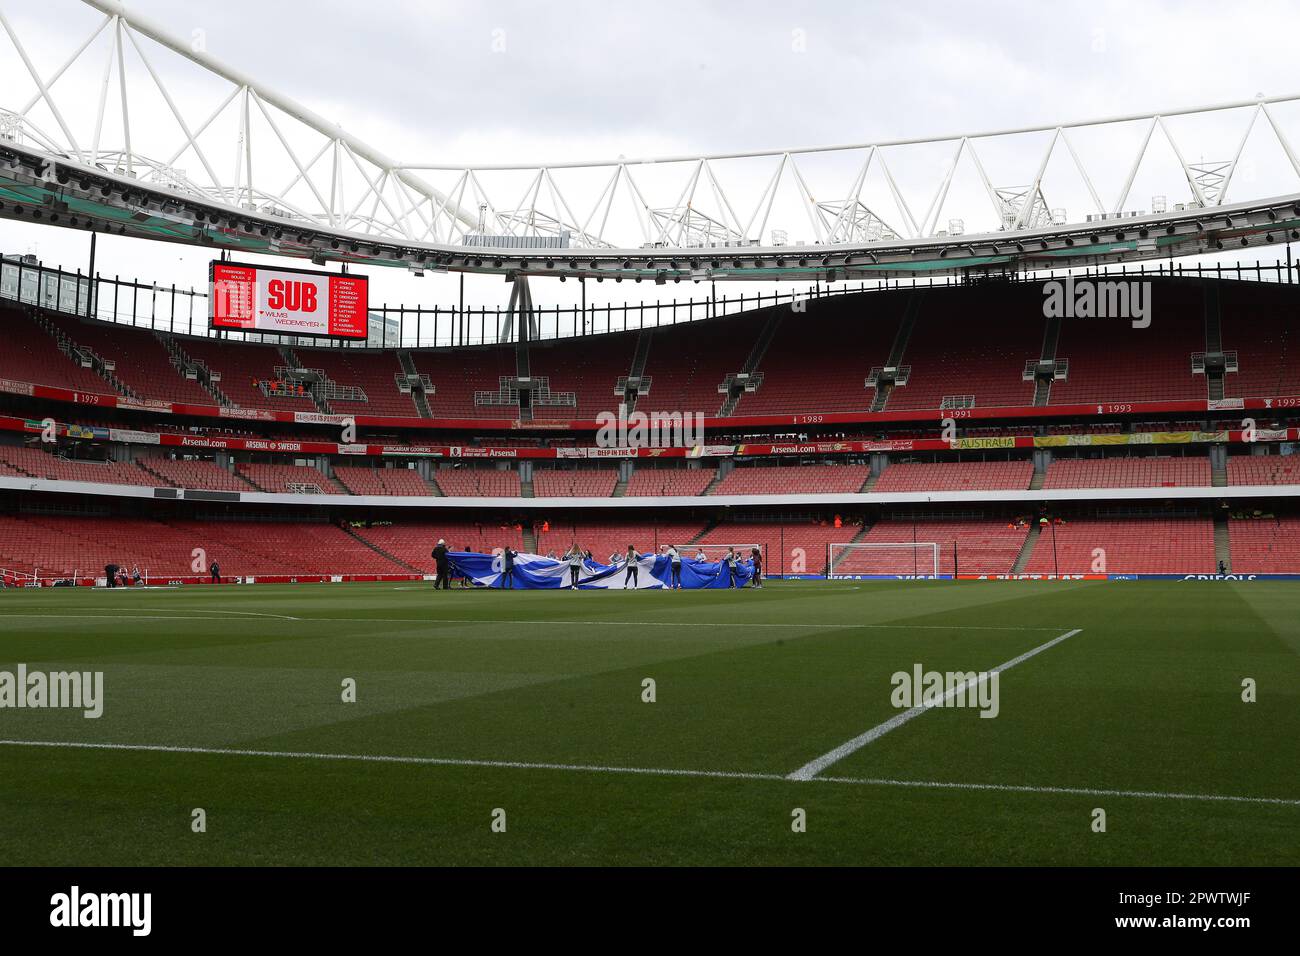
545	81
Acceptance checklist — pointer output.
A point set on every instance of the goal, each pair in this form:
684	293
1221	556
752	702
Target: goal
883	557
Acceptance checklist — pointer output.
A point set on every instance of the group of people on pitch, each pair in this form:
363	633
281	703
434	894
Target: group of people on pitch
575	557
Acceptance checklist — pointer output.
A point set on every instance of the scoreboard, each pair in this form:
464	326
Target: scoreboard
287	301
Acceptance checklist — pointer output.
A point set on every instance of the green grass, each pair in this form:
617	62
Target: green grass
1145	700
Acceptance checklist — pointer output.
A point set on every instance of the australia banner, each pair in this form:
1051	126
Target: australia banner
534	572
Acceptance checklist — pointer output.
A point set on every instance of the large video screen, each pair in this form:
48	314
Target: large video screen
288	301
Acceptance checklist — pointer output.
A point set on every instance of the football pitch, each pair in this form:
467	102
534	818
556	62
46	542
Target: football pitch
695	727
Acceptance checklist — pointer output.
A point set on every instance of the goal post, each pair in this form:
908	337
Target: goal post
848	559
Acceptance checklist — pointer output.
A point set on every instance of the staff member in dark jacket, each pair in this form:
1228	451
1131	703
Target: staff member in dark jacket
508	555
110	574
439	555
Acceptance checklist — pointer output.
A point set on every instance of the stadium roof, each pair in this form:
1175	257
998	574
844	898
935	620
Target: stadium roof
727	216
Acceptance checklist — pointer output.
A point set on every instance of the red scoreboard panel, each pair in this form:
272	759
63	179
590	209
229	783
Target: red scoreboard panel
288	301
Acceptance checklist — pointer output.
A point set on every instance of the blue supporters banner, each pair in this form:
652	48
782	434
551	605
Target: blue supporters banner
534	572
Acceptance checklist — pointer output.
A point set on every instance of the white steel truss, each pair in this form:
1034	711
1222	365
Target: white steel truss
119	101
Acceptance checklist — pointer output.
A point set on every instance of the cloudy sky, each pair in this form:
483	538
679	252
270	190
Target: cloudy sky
478	82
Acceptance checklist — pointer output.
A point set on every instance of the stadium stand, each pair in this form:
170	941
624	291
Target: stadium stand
793	479
200	475
411	542
1259	325
819	361
267	547
240	364
143	363
582	483
1263	470
478	482
1125	546
970	347
42	464
1152	472
1111	361
62	545
649	482
955	476
589	373
30	354
371	371
289	479
381	481
688	362
457	374
982	547
1265	545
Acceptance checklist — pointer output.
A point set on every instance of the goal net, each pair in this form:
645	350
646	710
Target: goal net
883	557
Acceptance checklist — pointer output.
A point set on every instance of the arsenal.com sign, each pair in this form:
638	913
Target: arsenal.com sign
288	301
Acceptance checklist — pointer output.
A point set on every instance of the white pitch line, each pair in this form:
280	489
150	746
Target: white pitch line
1069	791
384	758
647	771
202	615
814	767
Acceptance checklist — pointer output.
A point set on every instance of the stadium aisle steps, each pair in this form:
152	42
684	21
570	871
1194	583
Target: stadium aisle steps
1027	549
1222	541
862	533
378	550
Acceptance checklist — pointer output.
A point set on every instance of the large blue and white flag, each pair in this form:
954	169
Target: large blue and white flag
533	572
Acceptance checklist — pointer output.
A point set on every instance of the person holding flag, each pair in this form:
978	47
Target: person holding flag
675	564
574	556
633	566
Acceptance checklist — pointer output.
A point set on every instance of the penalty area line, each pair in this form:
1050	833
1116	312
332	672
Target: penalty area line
648	771
811	769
